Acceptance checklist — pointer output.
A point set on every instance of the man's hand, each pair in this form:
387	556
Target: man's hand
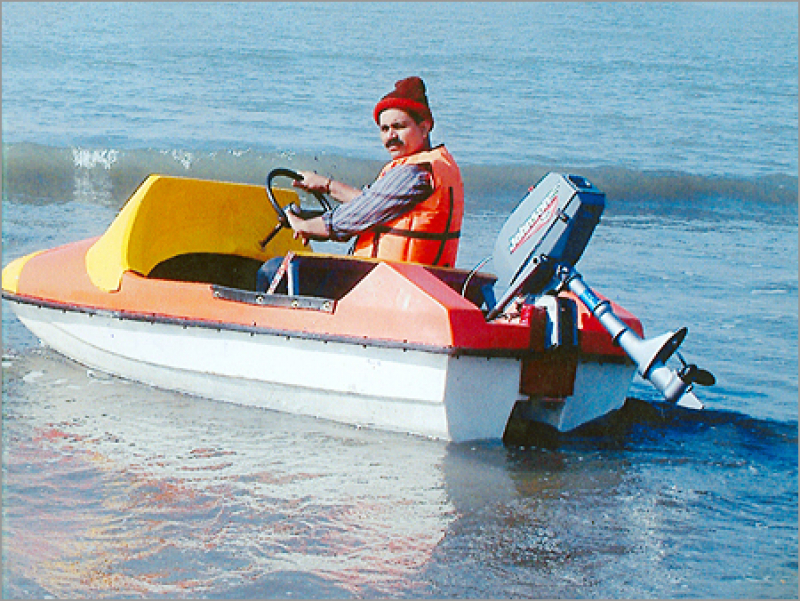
307	229
313	182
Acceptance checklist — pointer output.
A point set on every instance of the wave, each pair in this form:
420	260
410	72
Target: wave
45	174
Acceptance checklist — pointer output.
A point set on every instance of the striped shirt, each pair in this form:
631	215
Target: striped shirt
397	192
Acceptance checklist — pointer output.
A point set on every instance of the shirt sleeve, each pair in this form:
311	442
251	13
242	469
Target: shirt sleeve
398	191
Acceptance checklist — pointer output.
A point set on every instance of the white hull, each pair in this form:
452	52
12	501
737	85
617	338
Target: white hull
428	393
600	389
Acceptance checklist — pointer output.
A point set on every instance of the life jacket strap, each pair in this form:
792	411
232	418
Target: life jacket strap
443	237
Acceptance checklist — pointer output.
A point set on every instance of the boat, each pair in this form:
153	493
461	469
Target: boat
166	296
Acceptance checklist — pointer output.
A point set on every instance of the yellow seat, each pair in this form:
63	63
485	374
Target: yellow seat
171	216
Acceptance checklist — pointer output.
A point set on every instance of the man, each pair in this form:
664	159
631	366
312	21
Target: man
413	211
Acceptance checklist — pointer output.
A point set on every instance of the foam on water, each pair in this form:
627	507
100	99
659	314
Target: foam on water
704	89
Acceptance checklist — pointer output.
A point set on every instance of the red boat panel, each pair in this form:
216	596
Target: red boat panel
594	338
395	302
386	305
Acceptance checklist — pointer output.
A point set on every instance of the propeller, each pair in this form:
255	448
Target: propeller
691	374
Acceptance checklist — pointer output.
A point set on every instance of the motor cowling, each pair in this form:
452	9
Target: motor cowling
550	227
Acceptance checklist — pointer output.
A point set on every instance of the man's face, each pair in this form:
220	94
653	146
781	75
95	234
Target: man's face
400	134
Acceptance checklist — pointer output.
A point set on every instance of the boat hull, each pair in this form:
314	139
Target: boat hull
599	390
429	393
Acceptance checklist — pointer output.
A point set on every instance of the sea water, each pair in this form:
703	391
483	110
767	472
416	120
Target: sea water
685	114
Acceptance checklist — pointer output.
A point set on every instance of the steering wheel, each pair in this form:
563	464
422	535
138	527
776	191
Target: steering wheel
283	220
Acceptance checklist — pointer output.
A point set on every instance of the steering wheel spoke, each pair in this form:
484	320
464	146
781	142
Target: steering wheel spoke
280	212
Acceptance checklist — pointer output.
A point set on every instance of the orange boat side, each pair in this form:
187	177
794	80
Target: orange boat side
399	303
402	303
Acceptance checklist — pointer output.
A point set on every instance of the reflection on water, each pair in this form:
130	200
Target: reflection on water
142	492
117	489
112	489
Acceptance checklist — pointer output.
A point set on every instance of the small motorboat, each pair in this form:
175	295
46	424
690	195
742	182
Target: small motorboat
166	296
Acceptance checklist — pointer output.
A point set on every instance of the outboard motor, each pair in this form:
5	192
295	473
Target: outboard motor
536	252
550	227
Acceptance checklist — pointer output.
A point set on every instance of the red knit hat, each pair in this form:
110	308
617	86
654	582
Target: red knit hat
408	95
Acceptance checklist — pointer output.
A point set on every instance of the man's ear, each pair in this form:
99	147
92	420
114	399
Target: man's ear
426	126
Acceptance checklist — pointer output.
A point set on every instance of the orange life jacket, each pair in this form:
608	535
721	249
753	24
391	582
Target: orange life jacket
429	232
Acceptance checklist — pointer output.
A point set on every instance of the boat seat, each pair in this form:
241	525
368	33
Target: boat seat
333	276
323	276
232	271
169	217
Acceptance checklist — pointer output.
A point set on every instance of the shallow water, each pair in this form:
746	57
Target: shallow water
148	493
115	489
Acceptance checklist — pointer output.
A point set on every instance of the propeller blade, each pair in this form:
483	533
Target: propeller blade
705	377
691	374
